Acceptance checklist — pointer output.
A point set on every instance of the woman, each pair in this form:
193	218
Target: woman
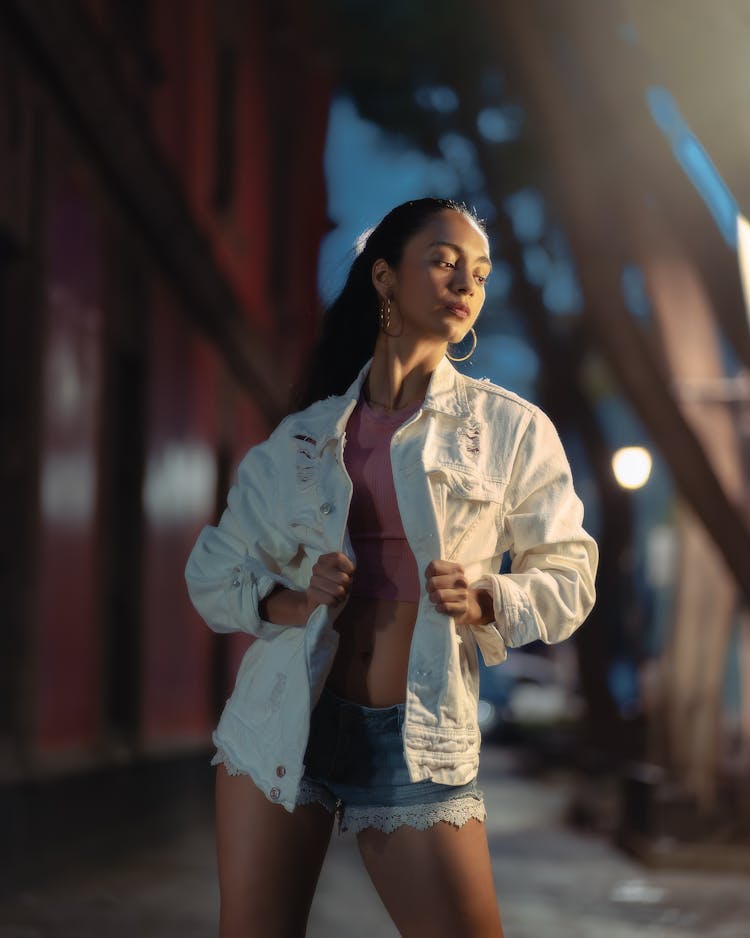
361	546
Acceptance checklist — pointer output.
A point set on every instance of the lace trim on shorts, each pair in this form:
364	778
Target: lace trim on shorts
356	818
221	758
456	811
310	792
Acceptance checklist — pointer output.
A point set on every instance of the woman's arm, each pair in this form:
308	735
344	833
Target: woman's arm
236	564
550	588
284	607
329	585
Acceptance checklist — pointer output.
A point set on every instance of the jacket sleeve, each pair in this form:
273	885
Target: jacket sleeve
236	564
550	588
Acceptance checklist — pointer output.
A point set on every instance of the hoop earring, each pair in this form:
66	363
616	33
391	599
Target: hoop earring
385	319
385	314
469	353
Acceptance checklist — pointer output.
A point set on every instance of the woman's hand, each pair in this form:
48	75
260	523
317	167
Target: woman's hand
330	582
448	589
329	585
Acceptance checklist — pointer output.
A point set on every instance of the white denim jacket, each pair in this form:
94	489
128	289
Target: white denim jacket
477	471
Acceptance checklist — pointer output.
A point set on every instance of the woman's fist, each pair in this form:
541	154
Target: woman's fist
448	589
330	582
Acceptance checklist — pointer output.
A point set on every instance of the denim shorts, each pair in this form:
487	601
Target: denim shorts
355	767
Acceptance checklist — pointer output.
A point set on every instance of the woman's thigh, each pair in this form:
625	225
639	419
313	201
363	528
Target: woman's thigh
269	860
436	882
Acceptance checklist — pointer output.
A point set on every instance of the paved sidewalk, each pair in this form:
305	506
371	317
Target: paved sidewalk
551	881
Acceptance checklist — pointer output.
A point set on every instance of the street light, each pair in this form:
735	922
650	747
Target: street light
632	466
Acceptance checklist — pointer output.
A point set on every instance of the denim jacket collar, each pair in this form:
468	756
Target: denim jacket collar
446	394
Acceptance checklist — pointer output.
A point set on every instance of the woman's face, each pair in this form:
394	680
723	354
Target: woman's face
437	290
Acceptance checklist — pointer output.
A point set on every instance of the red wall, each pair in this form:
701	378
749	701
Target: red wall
68	645
179	495
195	425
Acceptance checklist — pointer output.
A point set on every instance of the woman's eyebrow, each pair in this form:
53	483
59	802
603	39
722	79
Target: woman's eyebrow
454	247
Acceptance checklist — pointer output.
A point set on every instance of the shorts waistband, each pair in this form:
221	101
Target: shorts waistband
341	702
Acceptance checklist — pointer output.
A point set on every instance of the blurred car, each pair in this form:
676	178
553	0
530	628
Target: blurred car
527	692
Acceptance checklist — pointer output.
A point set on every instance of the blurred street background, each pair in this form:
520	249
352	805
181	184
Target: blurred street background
149	870
182	186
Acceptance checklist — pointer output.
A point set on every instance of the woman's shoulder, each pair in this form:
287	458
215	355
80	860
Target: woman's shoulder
482	391
319	412
521	420
311	424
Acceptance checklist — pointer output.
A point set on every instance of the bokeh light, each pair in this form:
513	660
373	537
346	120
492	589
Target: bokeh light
632	466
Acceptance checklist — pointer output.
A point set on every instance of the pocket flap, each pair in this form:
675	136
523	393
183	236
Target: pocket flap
466	484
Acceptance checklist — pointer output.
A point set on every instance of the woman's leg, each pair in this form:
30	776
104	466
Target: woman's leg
436	882
269	860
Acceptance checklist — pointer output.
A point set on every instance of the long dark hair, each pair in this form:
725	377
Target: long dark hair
351	323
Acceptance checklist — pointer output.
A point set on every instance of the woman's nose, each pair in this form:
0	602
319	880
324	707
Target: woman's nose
463	282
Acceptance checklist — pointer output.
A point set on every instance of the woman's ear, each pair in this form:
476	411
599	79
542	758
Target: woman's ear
382	278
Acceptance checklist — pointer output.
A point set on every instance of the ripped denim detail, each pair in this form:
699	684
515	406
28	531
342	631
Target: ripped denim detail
468	438
306	464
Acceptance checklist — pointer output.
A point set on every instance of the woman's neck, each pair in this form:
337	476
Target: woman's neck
399	377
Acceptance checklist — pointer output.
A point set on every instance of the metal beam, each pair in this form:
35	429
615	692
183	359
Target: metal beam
593	203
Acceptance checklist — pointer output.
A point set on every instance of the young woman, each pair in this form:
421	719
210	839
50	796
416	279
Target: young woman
360	546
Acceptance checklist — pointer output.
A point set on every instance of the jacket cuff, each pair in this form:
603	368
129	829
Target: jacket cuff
249	584
515	618
488	636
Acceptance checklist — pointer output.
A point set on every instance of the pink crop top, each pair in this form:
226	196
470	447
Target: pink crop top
386	567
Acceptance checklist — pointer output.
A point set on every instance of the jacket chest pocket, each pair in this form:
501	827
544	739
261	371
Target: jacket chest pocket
468	509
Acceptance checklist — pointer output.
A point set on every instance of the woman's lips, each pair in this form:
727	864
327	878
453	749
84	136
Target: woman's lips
461	311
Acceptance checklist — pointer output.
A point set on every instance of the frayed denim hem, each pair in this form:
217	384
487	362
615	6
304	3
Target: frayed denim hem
386	818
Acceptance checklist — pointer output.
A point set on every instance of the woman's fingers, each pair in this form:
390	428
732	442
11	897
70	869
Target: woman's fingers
457	582
326	590
448	589
446	582
331	580
452	602
443	567
335	561
333	572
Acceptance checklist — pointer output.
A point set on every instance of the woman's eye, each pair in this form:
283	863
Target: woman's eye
444	263
480	278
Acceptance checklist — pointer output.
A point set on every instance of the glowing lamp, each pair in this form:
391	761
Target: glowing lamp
632	466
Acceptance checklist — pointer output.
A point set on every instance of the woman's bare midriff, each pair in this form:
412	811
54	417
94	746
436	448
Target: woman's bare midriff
372	660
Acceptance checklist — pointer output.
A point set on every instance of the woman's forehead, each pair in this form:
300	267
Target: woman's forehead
454	229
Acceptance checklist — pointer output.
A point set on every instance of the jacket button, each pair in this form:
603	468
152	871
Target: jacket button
326	508
280	771
275	794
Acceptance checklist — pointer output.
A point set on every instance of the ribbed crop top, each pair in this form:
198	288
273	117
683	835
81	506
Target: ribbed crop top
386	567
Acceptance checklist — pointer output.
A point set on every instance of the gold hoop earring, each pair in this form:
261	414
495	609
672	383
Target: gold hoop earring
385	319
385	314
469	353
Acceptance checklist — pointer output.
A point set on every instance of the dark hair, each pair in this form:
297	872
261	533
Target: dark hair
350	325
